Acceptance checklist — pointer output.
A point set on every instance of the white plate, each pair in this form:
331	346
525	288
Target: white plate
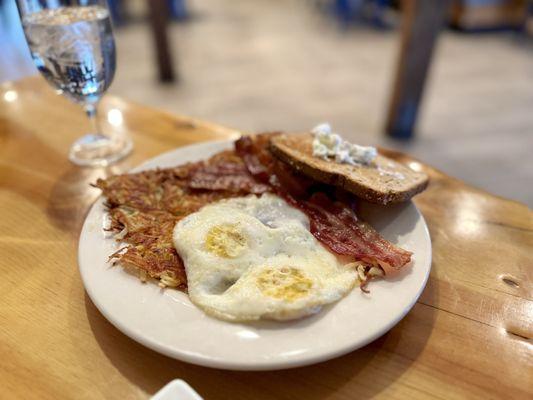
166	321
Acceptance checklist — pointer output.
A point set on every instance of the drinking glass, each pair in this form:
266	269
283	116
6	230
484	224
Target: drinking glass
72	45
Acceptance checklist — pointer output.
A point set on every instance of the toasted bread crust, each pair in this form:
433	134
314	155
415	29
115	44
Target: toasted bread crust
383	181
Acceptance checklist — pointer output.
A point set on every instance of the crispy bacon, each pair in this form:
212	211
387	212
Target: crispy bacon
259	161
254	152
286	181
226	172
336	226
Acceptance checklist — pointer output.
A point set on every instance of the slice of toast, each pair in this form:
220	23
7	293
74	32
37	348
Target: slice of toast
383	181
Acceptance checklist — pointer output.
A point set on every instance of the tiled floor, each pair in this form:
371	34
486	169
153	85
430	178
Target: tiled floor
258	64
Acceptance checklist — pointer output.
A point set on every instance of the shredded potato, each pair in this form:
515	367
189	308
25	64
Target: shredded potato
143	209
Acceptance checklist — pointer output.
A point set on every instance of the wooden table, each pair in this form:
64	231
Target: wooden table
469	335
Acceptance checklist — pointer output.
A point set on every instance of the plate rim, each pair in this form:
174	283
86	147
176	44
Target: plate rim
206	361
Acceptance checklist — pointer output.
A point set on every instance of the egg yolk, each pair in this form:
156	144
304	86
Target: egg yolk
286	283
225	241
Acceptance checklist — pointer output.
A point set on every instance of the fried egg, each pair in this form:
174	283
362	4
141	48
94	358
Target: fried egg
253	258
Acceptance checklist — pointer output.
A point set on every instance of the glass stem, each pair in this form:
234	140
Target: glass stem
90	110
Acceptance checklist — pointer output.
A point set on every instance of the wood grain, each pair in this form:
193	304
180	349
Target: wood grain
469	336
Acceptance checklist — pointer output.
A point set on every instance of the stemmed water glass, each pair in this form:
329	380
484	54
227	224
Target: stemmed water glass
72	45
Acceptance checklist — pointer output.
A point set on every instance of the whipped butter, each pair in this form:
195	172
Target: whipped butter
329	145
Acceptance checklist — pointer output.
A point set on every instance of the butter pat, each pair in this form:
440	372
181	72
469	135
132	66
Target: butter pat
331	146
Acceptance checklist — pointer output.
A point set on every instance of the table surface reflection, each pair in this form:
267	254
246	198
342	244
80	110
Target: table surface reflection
468	336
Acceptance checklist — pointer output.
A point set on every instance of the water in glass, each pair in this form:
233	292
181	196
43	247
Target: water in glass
73	48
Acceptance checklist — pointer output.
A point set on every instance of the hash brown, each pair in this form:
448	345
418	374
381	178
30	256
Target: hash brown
145	206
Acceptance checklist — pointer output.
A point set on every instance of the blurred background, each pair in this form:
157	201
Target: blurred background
381	72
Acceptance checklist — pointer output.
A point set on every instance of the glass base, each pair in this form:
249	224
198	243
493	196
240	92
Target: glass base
99	151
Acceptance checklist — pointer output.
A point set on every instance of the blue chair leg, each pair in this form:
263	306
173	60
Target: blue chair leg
347	10
115	7
178	9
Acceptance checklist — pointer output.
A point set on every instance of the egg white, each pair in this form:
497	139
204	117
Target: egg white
253	258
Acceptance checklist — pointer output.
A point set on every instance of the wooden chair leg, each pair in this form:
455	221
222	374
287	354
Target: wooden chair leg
422	21
159	19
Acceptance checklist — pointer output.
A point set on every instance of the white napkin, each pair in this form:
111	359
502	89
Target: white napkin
176	390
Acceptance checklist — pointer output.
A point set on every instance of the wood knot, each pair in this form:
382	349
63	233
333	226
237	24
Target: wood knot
510	280
518	332
182	124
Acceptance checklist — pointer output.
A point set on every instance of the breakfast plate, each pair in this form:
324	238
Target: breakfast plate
166	321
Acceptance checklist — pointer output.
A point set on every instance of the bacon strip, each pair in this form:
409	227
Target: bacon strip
336	226
227	177
333	223
254	152
225	172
